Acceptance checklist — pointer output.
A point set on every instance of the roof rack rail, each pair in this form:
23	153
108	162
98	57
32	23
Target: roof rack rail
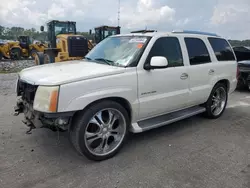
144	31
195	32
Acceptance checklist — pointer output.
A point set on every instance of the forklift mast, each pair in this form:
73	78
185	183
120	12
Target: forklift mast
56	27
103	32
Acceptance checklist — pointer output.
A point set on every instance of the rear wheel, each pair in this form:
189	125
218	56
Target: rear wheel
216	104
100	132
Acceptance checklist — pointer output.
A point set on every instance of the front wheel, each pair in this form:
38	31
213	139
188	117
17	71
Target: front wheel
15	54
49	58
216	104
39	58
100	132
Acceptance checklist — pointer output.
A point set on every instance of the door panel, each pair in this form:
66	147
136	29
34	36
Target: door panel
200	82
162	90
201	70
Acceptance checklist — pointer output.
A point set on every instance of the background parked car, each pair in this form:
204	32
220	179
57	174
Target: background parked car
243	57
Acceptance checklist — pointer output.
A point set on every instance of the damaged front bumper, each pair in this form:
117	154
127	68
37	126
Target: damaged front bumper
34	119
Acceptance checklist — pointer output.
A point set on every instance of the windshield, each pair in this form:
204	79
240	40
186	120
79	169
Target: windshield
119	50
110	32
64	28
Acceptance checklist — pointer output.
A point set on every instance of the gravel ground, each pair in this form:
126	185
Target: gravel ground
192	153
14	66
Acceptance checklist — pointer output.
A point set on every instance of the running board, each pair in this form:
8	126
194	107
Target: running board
169	118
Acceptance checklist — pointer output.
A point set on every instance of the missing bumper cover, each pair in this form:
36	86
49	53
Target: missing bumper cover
34	119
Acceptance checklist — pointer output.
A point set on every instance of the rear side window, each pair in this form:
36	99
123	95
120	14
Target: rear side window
197	51
170	48
221	49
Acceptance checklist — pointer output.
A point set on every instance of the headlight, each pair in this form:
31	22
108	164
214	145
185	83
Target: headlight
46	99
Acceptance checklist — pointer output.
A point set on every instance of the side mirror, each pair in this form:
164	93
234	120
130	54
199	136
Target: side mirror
90	32
42	28
157	62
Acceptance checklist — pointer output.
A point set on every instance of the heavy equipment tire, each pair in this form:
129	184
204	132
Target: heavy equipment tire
48	58
242	82
39	58
1	56
100	131
33	53
15	53
217	101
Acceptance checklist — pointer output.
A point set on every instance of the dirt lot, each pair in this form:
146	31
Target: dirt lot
192	153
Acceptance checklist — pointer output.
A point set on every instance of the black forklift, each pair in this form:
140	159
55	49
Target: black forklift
104	31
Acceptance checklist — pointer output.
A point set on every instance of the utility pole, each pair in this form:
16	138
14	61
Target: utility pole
118	18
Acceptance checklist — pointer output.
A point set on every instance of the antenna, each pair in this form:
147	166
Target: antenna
118	16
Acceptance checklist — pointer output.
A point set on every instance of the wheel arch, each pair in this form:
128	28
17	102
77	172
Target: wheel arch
16	47
225	82
120	100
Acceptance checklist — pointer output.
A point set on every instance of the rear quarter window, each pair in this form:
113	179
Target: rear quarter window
222	49
197	51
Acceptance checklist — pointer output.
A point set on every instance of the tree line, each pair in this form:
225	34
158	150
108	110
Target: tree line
11	33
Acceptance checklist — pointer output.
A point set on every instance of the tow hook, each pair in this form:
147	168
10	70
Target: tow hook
18	108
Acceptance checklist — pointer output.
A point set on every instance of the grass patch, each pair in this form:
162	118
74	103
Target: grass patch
10	71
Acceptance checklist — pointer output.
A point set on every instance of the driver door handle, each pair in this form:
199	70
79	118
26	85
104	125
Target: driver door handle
184	76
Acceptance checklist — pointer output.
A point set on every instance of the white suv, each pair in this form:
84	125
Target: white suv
130	82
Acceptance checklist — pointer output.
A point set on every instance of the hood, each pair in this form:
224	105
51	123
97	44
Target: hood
67	72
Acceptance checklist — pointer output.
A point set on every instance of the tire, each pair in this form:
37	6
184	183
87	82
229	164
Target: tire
49	58
81	125
39	58
1	56
242	84
15	53
209	105
33	53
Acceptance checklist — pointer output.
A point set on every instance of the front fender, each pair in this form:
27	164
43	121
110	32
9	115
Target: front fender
82	101
77	95
79	103
15	47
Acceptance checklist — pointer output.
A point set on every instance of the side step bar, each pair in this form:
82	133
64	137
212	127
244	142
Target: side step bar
168	118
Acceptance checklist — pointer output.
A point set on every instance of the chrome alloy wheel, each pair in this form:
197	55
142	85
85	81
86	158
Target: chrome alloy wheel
105	132
218	101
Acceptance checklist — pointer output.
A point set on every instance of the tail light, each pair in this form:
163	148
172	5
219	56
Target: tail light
238	72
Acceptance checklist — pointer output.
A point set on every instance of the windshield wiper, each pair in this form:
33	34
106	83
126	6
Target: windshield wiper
107	61
87	58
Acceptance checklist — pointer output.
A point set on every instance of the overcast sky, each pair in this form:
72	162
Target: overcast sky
229	18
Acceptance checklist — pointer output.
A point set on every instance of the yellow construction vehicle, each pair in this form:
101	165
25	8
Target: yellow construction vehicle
22	48
64	43
5	50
